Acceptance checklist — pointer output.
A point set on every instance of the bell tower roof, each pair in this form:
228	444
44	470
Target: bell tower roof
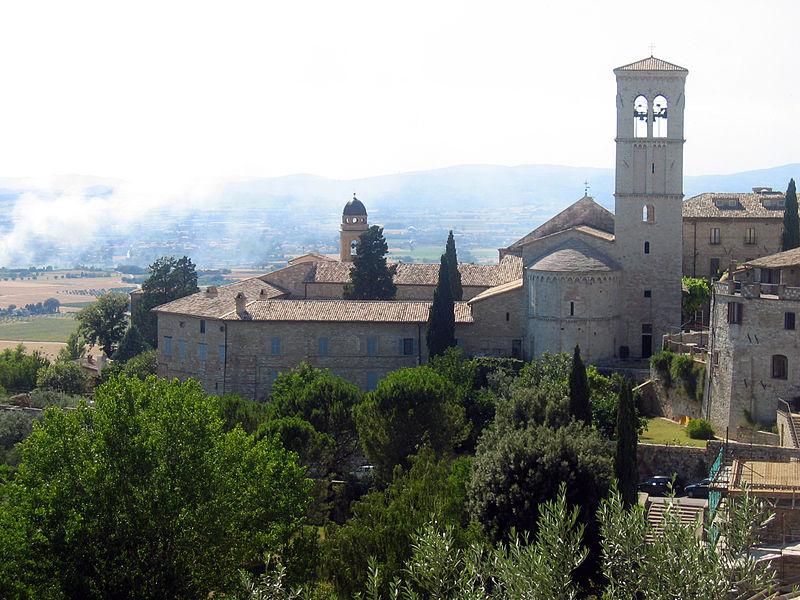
354	207
651	63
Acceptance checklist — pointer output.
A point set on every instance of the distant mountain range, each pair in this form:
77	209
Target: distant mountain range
240	221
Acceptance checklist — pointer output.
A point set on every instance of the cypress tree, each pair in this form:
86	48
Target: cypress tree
579	390
625	468
790	237
441	333
452	265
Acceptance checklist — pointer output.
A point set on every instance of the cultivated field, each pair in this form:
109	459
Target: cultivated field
70	292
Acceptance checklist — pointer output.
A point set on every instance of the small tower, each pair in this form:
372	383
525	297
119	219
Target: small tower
649	194
354	223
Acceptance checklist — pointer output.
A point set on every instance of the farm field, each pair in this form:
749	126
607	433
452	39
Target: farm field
55	284
54	328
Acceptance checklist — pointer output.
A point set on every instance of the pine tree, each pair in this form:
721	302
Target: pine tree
790	238
625	467
452	265
579	390
441	333
370	277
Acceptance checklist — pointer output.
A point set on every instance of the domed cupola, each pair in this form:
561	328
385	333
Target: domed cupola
354	223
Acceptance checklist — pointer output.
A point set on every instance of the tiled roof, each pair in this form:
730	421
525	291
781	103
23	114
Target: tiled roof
574	255
370	311
651	63
215	305
716	204
497	290
510	268
787	258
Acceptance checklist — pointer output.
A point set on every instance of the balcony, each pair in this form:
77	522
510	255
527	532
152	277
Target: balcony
772	291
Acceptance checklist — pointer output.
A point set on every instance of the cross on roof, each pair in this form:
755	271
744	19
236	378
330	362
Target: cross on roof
585	188
651	48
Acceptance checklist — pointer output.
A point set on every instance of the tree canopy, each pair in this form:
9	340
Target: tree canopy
143	496
452	266
130	345
579	393
370	277
790	236
441	332
104	321
627	440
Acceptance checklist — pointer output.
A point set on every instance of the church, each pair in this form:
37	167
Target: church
610	283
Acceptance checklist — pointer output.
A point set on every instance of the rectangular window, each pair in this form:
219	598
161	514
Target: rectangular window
407	346
713	268
273	375
202	326
275	346
788	320
647	328
714	236
322	346
167	346
201	351
735	313
750	236
372	381
221	351
571	309
372	346
182	348
648	293
779	366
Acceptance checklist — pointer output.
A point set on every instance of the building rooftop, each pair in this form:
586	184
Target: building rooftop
574	255
215	302
354	208
651	63
764	204
788	258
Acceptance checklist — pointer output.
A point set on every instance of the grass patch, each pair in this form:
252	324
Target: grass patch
39	329
664	431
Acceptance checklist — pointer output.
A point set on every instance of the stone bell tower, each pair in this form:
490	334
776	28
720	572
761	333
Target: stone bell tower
648	201
354	223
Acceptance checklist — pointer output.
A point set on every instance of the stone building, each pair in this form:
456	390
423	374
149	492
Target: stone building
608	282
754	344
720	228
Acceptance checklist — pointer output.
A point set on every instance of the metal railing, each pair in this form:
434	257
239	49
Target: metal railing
792	429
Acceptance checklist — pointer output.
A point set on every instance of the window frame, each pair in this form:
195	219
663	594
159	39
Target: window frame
275	346
714	237
780	367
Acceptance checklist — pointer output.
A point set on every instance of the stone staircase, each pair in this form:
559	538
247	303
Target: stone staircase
688	515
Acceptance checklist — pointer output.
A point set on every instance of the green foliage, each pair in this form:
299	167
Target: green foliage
699	294
370	277
235	410
314	449
700	429
579	390
51	305
441	331
661	363
323	400
452	268
18	370
140	366
409	408
684	369
131	345
625	459
170	278
66	377
75	348
46	398
492	366
384	522
15	426
144	496
104	321
790	236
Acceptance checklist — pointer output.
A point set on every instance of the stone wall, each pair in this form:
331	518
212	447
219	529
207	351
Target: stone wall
754	436
689	463
671	403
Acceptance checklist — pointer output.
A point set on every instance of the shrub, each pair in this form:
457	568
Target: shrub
700	429
660	363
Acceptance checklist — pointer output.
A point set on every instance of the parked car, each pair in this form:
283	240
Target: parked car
659	485
699	489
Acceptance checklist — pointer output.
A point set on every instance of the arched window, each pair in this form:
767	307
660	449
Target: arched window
648	213
780	366
660	117
647	247
640	117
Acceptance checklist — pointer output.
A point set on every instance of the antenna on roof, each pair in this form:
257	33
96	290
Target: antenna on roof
651	49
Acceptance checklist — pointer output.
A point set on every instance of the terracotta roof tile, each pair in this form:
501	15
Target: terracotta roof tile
215	305
717	205
651	63
787	258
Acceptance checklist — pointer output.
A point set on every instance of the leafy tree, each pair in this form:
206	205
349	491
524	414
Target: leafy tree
143	496
130	345
579	390
370	277
790	236
18	370
65	377
452	266
104	321
236	410
140	366
627	436
15	426
441	333
51	305
314	449
409	408
698	295
384	522
170	278
75	348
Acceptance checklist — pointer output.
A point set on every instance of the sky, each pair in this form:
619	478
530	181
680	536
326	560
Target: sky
173	92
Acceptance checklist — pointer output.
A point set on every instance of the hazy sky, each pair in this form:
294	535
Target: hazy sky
183	90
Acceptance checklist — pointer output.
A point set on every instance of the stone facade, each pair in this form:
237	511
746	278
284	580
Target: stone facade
720	228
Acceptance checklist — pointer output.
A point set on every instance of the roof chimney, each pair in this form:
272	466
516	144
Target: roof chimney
240	300
211	290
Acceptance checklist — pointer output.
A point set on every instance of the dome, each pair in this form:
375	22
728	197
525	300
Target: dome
354	207
574	255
